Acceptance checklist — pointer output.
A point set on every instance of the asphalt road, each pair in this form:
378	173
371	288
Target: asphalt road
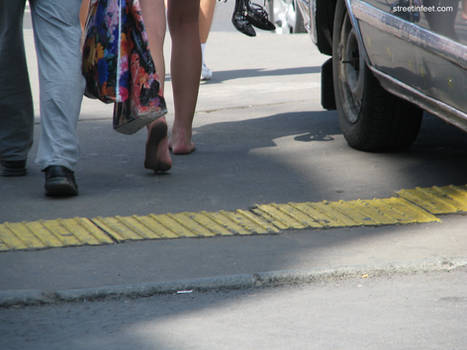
410	312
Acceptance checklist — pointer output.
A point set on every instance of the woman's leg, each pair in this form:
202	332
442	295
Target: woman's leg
154	21
157	155
206	15
185	66
83	12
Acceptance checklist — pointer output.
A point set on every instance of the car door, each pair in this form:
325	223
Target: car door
421	44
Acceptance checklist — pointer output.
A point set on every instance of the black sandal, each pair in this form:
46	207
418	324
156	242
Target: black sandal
240	18
258	17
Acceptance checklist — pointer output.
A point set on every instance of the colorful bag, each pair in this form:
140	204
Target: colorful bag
118	66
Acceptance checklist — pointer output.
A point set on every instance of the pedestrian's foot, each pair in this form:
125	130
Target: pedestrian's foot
13	168
180	142
206	73
157	147
60	182
181	147
184	149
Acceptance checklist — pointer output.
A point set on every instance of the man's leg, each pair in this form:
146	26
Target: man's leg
57	34
16	107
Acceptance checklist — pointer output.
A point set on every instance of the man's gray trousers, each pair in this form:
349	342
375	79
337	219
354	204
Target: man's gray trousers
57	34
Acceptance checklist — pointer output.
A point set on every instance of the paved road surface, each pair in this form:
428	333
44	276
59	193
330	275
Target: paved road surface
411	312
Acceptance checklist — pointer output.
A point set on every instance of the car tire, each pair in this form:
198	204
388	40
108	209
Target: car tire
297	27
370	118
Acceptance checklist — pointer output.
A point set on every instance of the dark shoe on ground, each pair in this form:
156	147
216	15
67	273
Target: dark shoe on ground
60	182
13	167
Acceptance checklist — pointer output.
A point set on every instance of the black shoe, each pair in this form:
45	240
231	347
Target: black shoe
60	182
258	17
13	167
240	20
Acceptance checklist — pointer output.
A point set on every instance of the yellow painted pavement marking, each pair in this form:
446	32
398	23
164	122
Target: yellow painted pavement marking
298	215
40	230
186	220
335	218
158	230
438	200
402	211
371	208
173	226
95	231
419	205
281	218
264	226
246	225
356	210
9	239
116	228
22	232
274	220
130	223
222	218
62	233
204	219
312	210
79	231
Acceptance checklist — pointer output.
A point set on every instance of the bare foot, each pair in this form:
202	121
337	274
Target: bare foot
183	149
157	147
181	145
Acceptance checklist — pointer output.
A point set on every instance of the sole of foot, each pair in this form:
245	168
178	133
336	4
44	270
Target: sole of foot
157	133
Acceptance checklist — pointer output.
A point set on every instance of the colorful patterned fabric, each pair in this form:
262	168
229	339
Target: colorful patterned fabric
118	66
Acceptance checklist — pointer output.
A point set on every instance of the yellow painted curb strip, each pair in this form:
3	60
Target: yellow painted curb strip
419	205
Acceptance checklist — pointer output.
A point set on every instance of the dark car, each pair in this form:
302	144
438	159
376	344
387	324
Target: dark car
390	61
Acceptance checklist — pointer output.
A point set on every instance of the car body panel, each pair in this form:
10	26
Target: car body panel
306	7
285	15
421	57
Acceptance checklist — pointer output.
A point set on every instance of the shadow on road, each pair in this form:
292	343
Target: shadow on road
299	156
220	76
